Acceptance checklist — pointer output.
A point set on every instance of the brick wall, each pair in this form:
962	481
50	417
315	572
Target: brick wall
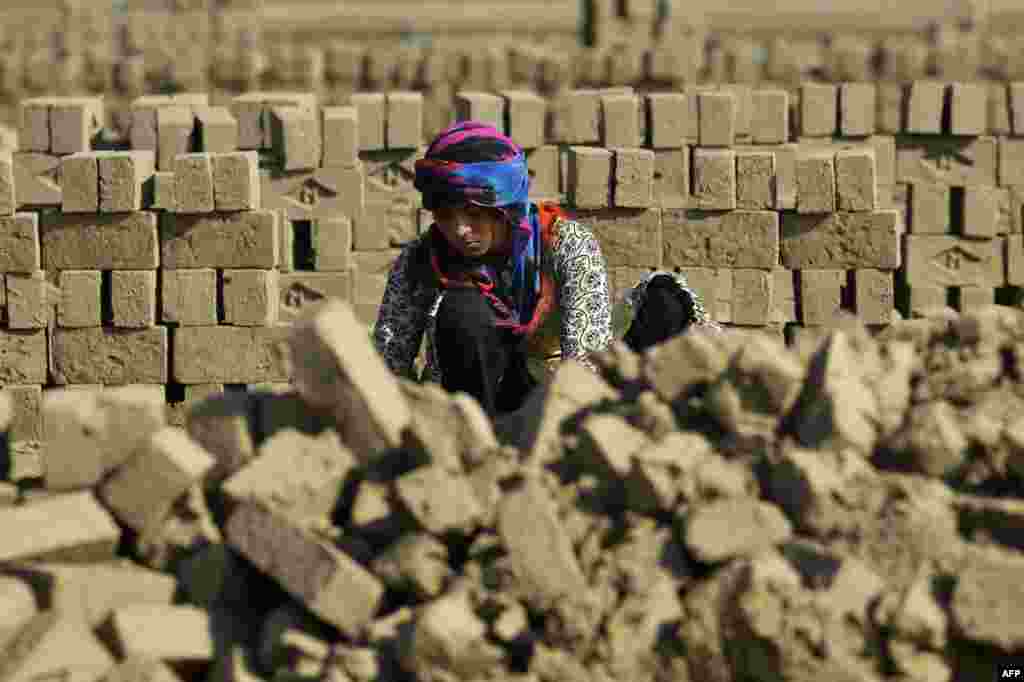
177	260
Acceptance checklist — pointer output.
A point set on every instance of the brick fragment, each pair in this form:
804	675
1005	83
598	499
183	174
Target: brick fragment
340	136
328	582
141	492
869	240
122	179
193	183
73	527
133	297
856	180
57	644
116	241
729	528
815	181
714	179
250	297
440	501
947	261
19	243
141	630
18	606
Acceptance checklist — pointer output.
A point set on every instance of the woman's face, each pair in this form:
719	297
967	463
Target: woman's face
471	230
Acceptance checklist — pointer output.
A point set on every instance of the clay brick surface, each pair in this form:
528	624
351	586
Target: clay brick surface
714	179
981	211
589	181
578	114
97	355
250	297
140	631
874	295
133	296
122	177
19	243
121	241
80	183
926	100
297	290
72	527
193	183
8	193
941	261
80	303
405	120
251	110
957	163
634	177
340	136
755	180
73	120
769	116
717	112
753	296
743	95
34	131
930	208
371	113
820	295
818	109
968	108
668	119
628	237
527	113
163	191
247	239
485	107
189	297
1011	162
856	180
869	240
998	106
1016	108
1014	260
25	358
218	130
174	133
737	239
815	181
28	301
54	643
885	158
236	181
226	354
783	296
34	177
672	178
332	243
295	137
620	121
857	109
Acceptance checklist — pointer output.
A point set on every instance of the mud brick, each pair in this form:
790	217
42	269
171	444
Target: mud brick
19	243
589	178
818	109
73	120
1017	108
1015	260
634	177
139	634
80	183
885	158
370	273
946	261
251	110
769	123
174	134
925	104
925	300
27	301
628	237
332	243
737	239
981	211
972	298
1011	161
297	290
133	293
340	136
342	593
72	528
25	358
26	416
874	296
247	239
717	116
815	181
857	109
743	95
667	112
930	208
97	355
672	178
56	644
34	132
227	354
295	138
122	176
545	171
526	113
250	297
785	176
998	109
193	183
955	162
856	181
8	193
1010	209
189	297
783	297
163	192
820	295
714	179
841	240
620	121
143	128
142	491
480	106
752	296
236	181
579	114
218	130
371	114
17	602
404	120
968	108
755	180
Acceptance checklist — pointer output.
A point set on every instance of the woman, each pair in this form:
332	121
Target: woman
501	284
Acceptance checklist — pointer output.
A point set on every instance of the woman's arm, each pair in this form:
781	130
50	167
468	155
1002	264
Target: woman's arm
582	277
398	332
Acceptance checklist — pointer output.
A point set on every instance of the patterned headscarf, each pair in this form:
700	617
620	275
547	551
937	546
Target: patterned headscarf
503	184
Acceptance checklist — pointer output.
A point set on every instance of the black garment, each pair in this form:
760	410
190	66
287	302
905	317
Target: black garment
478	358
490	363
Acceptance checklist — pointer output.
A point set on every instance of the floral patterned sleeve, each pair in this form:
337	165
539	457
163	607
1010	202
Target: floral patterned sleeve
402	319
582	278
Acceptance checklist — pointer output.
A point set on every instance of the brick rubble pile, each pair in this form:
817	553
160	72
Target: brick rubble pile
720	508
